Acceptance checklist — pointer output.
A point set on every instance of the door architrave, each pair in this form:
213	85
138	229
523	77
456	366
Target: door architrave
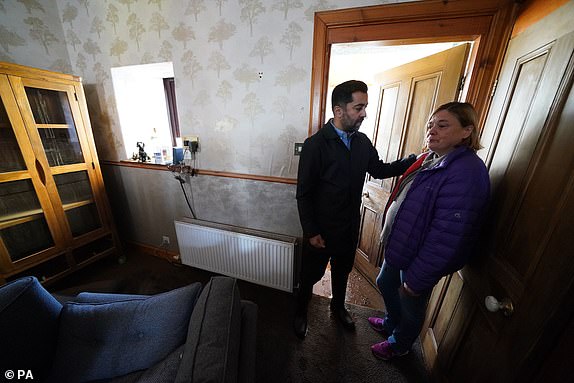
488	23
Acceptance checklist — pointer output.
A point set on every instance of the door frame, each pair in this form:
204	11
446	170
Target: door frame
487	22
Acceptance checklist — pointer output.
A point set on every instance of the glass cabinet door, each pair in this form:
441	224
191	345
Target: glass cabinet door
53	119
24	225
56	118
78	201
11	158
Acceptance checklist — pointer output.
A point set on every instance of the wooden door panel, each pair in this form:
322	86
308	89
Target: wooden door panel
462	307
554	311
514	235
474	355
422	103
368	223
388	103
448	305
510	163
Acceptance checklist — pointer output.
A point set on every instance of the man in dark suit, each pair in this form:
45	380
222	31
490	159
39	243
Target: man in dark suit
332	169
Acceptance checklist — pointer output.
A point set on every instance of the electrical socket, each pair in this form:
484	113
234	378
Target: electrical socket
165	240
191	142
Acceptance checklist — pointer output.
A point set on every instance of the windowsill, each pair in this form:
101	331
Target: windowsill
149	165
164	163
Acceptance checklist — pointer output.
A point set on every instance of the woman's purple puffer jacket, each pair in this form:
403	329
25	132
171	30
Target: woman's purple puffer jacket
438	223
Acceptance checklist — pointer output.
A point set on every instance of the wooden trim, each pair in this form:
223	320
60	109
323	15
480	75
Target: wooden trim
168	255
15	176
214	173
488	22
26	72
71	168
533	11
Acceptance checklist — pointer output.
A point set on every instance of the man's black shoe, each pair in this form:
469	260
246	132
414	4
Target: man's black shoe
300	324
343	316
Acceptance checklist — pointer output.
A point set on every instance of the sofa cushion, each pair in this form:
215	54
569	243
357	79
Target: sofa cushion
28	326
105	340
211	351
164	371
105	297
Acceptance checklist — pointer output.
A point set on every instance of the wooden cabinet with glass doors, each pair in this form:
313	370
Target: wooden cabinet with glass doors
54	214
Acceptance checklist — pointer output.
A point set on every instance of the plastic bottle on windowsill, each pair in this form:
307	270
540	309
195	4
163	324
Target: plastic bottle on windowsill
156	148
187	157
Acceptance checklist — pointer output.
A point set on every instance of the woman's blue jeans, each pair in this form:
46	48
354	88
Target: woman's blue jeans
405	314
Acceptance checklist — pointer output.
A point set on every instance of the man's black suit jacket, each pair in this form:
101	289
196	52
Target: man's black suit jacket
330	182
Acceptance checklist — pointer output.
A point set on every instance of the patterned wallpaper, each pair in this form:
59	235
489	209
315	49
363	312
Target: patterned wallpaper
242	67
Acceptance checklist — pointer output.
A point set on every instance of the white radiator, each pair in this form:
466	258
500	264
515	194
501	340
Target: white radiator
255	256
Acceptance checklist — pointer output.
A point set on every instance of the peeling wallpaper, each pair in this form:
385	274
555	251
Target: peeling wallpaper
242	67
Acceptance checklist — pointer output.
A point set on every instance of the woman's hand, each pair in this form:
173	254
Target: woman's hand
317	241
408	290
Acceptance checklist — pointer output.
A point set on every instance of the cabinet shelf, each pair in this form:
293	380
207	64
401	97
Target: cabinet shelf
74	205
20	217
53	126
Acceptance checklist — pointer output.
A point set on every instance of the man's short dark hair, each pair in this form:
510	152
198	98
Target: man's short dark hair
343	93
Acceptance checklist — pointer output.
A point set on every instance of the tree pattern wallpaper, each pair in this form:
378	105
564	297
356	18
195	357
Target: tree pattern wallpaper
242	67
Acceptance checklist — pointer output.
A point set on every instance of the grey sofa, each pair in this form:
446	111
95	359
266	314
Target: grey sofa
190	334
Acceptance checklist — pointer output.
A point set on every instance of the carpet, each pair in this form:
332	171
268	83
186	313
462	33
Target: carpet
329	353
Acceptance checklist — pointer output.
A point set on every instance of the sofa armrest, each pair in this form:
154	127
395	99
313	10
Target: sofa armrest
248	347
211	352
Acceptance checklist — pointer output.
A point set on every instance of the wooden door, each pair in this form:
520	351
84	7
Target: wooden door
526	257
408	94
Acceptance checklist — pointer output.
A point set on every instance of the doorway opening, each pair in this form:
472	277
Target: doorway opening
360	291
366	61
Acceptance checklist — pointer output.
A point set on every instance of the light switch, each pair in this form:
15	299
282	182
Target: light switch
298	148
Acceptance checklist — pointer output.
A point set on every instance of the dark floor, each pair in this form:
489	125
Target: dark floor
359	290
329	353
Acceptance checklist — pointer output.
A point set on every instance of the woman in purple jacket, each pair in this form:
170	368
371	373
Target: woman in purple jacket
432	222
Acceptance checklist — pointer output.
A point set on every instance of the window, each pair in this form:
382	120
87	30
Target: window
145	97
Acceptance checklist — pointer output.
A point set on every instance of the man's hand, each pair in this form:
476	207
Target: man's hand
317	241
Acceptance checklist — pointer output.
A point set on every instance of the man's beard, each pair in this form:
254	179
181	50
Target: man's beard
352	127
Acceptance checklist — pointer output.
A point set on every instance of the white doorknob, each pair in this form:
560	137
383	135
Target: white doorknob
493	305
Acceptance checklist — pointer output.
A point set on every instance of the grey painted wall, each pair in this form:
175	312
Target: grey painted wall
146	202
